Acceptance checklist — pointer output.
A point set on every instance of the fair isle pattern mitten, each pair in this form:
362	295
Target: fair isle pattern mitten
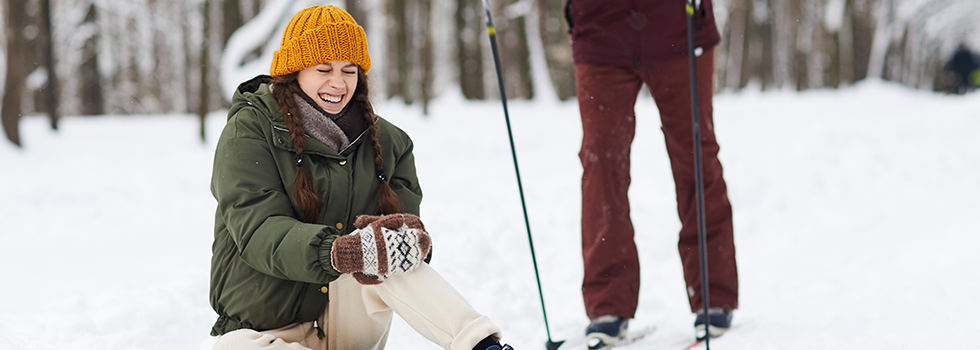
407	248
361	278
381	246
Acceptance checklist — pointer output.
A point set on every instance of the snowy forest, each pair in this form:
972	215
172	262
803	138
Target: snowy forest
121	57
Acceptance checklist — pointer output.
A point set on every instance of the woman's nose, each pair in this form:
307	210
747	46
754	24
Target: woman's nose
335	80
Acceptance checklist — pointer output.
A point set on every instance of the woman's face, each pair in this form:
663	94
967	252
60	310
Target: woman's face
330	84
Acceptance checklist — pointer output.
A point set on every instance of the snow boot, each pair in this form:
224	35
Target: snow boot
489	343
721	320
605	330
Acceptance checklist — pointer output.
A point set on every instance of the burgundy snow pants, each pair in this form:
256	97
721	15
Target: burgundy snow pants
606	96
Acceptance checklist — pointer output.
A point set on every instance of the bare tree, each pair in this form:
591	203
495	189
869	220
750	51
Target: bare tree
733	47
400	64
204	101
90	89
557	51
51	89
425	53
18	65
515	55
357	11
231	19
855	39
469	51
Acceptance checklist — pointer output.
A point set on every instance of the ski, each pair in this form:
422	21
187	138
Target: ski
696	343
630	338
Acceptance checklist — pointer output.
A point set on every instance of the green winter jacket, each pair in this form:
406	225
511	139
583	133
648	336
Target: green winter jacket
268	267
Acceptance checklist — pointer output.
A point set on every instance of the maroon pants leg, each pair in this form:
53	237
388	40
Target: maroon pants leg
669	83
606	95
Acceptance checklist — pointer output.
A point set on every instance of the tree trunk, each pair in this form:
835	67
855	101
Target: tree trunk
92	99
187	36
426	55
515	55
51	90
205	91
786	20
231	19
469	51
734	43
400	71
845	40
834	69
765	67
802	44
752	50
553	30
17	68
357	11
863	31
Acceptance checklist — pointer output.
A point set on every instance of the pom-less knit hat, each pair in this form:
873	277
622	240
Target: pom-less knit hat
320	34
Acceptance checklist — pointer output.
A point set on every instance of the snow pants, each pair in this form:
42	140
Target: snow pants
358	317
606	96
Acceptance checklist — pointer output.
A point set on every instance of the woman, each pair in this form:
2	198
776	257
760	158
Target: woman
317	240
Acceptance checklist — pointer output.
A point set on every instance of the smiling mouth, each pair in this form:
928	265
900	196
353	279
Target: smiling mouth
331	98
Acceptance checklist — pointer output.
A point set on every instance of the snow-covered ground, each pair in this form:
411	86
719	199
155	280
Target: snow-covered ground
855	215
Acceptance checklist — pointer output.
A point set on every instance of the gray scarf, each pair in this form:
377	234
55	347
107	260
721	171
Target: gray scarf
319	126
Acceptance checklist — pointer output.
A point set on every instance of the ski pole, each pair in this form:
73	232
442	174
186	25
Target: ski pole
550	345
698	176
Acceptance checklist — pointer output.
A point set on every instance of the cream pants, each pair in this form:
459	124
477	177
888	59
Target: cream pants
359	317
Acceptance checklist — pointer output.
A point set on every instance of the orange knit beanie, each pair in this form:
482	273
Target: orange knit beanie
320	34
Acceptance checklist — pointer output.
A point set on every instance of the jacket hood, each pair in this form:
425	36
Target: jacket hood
255	93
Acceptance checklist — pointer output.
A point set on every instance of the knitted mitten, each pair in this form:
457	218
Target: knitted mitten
381	246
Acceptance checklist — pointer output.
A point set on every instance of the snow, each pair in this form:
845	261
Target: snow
854	216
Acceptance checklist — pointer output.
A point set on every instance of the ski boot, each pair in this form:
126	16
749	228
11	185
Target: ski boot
489	343
720	322
605	330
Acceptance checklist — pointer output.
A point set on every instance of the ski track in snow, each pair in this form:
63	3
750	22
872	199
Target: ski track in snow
853	215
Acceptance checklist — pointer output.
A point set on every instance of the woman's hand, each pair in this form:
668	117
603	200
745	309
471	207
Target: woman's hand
381	246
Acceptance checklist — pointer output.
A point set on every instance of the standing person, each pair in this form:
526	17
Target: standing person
317	239
618	46
964	65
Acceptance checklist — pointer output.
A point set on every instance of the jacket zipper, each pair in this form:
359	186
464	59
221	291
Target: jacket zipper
277	127
353	142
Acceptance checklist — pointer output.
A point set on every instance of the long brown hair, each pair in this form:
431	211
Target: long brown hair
305	196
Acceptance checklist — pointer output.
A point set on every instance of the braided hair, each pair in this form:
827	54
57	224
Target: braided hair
305	197
387	198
